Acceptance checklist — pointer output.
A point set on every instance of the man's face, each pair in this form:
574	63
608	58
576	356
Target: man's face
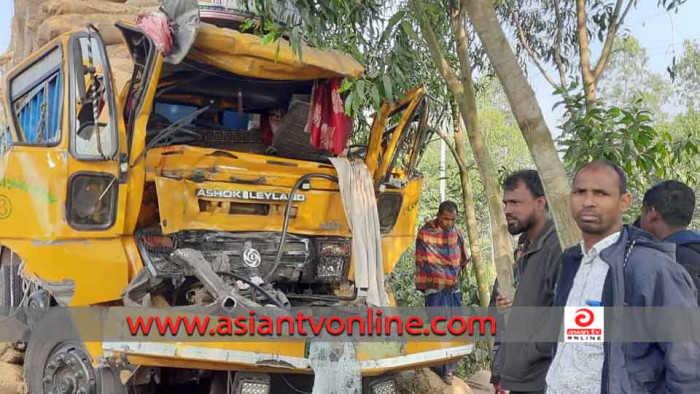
596	202
522	209
446	219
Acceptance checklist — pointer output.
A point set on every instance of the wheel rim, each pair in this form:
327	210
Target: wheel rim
68	371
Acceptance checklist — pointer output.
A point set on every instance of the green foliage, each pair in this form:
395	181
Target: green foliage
478	360
686	74
403	282
628	78
625	136
670	151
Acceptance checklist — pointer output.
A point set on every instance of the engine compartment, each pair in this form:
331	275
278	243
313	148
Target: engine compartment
181	267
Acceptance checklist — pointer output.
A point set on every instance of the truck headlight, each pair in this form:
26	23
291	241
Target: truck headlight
383	386
251	383
334	248
334	259
386	386
330	268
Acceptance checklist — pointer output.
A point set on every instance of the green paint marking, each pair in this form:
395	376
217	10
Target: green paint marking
5	207
36	191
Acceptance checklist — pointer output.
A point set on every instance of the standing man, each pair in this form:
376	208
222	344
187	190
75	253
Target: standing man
441	255
667	210
619	266
522	367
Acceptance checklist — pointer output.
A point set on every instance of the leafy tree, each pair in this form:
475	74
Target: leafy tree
559	33
636	126
629	79
528	114
686	74
625	136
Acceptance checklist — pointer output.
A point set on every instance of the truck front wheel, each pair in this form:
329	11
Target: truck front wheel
10	283
57	362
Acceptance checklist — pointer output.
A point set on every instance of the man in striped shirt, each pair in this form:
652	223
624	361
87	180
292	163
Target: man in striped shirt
441	256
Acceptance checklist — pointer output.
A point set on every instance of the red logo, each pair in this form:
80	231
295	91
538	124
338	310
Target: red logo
584	317
583	324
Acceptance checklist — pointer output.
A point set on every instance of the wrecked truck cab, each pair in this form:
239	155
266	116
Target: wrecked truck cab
198	184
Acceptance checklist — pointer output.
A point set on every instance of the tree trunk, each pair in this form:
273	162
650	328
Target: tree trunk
528	115
469	211
589	81
501	238
462	88
443	171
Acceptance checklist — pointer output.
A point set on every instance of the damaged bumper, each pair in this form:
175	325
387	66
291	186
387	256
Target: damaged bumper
205	357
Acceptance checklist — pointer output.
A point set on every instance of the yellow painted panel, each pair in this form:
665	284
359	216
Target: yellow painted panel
98	267
179	210
244	54
402	236
292	348
32	193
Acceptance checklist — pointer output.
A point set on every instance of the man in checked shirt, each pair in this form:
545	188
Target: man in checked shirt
441	256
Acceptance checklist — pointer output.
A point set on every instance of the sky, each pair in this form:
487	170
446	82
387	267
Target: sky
660	32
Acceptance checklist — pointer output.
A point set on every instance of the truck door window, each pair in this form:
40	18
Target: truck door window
94	126
36	94
408	145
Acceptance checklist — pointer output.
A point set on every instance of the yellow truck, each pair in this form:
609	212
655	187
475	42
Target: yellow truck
166	192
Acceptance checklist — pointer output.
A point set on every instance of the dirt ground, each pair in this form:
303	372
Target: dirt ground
11	360
425	381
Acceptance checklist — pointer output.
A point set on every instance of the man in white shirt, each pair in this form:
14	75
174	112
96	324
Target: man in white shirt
612	259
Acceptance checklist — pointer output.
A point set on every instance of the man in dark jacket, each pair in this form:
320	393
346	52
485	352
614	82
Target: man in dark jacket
620	266
667	210
521	366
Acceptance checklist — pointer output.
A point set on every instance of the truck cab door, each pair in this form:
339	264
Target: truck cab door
398	134
96	195
397	140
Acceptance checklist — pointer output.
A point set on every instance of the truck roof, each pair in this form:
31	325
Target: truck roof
244	54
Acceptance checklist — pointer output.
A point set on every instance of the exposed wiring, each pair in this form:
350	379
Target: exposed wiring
287	214
292	387
166	132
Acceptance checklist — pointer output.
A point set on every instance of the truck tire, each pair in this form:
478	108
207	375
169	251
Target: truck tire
56	361
10	282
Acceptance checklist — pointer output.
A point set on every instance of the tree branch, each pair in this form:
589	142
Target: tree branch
528	48
431	41
460	33
451	147
557	46
585	54
615	24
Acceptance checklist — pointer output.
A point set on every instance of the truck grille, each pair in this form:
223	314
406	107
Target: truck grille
225	252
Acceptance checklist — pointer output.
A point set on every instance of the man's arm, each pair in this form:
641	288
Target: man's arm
420	249
419	256
553	260
673	288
